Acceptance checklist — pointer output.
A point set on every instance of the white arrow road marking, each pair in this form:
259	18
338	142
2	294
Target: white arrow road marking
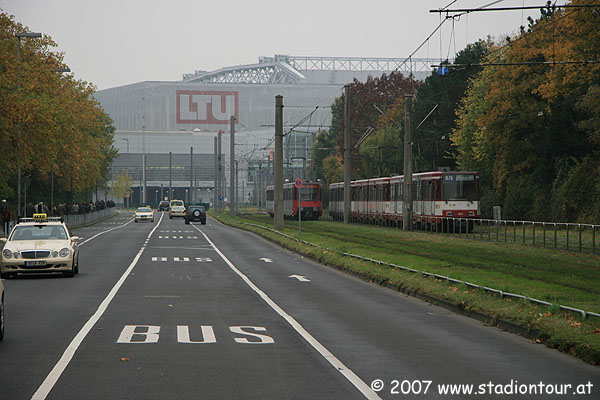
327	355
300	278
267	260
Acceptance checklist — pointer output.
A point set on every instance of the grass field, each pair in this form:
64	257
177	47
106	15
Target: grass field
555	276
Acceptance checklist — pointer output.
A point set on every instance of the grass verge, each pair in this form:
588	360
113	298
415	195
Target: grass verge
554	276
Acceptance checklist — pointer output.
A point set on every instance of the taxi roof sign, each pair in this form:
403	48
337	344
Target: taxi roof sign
40	217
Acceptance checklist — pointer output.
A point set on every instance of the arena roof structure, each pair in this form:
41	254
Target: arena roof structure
283	69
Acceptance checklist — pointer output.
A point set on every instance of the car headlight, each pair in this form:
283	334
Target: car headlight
7	254
64	252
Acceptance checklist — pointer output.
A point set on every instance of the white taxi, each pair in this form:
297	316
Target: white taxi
144	214
40	244
176	209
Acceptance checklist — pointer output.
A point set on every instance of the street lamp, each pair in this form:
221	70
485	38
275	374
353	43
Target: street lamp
20	35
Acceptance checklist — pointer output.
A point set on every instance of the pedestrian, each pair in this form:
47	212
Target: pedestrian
6	217
29	210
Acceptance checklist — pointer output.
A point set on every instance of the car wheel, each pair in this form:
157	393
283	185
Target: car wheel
76	269
170	217
136	221
2	319
204	223
4	275
71	273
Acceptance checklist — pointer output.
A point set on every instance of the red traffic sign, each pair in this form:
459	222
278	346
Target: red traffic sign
298	183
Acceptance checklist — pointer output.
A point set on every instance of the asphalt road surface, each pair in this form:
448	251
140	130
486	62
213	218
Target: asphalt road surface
166	310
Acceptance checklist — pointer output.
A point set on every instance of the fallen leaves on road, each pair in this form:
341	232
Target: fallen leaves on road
124	359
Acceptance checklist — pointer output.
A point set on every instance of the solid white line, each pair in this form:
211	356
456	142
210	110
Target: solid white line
103	232
67	356
333	360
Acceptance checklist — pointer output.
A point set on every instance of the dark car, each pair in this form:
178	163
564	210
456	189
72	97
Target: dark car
163	206
195	214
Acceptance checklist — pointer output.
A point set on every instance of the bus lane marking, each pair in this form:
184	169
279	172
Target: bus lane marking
332	359
69	353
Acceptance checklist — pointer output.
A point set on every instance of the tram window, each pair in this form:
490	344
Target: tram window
460	187
309	194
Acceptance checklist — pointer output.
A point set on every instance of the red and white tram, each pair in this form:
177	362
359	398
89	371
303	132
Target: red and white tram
436	196
311	200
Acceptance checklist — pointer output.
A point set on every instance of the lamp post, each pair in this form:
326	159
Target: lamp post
20	35
126	161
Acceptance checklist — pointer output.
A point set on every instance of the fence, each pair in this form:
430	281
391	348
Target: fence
555	235
75	220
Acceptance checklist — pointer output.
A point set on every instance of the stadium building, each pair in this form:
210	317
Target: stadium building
165	131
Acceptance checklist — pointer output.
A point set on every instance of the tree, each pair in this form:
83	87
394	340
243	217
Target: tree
530	129
63	133
442	94
121	186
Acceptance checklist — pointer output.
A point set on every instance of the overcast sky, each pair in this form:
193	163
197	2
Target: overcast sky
117	42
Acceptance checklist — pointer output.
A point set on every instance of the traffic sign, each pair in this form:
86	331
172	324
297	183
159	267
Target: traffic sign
298	183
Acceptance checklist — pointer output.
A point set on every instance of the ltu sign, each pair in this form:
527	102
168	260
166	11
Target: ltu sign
206	107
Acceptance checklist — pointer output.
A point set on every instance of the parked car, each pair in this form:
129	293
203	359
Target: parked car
163	206
195	213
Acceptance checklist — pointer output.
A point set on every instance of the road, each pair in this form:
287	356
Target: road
166	310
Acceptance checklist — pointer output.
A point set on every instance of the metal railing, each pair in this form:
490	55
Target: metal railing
555	235
75	220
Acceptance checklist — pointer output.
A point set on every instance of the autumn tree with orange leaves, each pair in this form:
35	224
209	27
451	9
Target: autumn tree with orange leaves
533	130
65	134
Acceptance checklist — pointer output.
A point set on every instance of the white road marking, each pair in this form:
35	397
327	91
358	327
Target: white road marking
333	360
267	260
203	259
192	237
300	278
102	233
67	356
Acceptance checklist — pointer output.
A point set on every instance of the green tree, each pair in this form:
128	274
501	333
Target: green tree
442	94
121	186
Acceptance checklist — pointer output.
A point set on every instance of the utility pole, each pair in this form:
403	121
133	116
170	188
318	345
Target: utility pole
278	164
220	167
347	166
232	166
144	198
215	177
170	180
407	206
192	192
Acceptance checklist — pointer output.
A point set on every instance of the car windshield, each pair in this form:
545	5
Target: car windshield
144	209
177	203
39	232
